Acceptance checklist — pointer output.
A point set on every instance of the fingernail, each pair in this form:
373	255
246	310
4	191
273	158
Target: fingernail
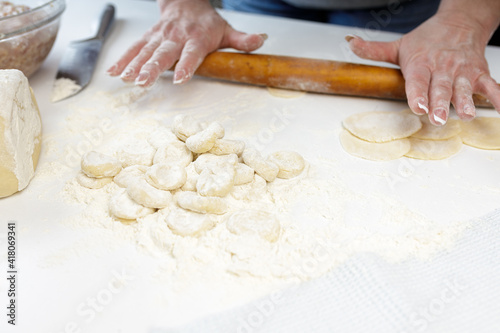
440	116
350	37
111	70
180	76
142	78
469	110
128	72
264	36
423	107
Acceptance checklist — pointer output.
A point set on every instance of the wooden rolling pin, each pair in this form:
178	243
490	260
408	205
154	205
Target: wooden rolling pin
312	75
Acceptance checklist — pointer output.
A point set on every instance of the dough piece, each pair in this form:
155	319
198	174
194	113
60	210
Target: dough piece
185	126
382	126
266	169
123	207
138	152
174	153
285	93
203	141
129	174
434	149
166	176
98	165
384	151
191	179
432	132
243	174
141	192
162	137
197	203
92	183
226	147
216	181
290	163
210	160
482	132
187	223
20	132
264	224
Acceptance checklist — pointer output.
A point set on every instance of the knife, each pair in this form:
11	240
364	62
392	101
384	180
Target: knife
79	60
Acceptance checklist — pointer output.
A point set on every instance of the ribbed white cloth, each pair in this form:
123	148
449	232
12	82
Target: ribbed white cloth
458	291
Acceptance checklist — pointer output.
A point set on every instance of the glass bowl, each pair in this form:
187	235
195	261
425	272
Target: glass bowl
27	38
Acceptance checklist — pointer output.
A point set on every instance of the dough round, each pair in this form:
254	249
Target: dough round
166	176
98	165
384	151
482	132
379	126
290	163
262	223
92	183
434	149
285	93
197	203
141	192
123	207
432	132
187	223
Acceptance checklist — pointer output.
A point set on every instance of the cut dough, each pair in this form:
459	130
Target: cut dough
187	223
243	174
141	192
289	163
210	160
203	141
136	152
482	132
162	137
264	168
166	176
434	149
432	132
98	165
384	151
226	147
20	132
191	179
185	126
123	207
262	223
92	183
197	203
379	126
129	174
174	153
216	181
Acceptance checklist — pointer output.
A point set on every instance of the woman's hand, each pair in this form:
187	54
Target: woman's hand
442	60
187	31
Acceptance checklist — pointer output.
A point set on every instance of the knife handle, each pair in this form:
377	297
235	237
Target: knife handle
106	21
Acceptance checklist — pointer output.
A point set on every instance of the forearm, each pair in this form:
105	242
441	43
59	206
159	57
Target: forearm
481	15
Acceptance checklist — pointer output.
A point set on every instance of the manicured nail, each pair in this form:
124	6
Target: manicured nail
423	107
264	36
128	72
181	77
112	70
142	78
348	38
469	110
439	116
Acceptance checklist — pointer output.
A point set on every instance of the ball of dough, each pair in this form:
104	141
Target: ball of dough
166	176
216	181
187	223
92	183
197	203
290	163
374	151
20	132
138	152
185	126
243	174
162	137
382	126
226	147
174	153
203	141
262	223
123	207
129	174
264	168
99	165
143	193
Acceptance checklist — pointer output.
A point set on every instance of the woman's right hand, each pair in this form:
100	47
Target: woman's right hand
188	30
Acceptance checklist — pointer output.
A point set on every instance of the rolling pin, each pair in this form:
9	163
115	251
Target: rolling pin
311	75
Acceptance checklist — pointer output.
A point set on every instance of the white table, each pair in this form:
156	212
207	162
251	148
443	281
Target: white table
51	291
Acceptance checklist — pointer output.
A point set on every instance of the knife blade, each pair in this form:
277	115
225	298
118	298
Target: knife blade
79	59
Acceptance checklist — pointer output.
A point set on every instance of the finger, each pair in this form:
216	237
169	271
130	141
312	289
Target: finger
417	80
132	70
242	41
440	93
490	89
378	51
462	99
191	57
162	59
130	54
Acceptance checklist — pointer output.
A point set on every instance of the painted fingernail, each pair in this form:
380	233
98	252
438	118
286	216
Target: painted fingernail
142	78
128	73
440	116
423	107
181	77
264	36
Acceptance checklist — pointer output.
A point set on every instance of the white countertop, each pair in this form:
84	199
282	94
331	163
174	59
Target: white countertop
463	187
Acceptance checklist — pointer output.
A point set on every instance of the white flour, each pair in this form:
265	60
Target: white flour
323	222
